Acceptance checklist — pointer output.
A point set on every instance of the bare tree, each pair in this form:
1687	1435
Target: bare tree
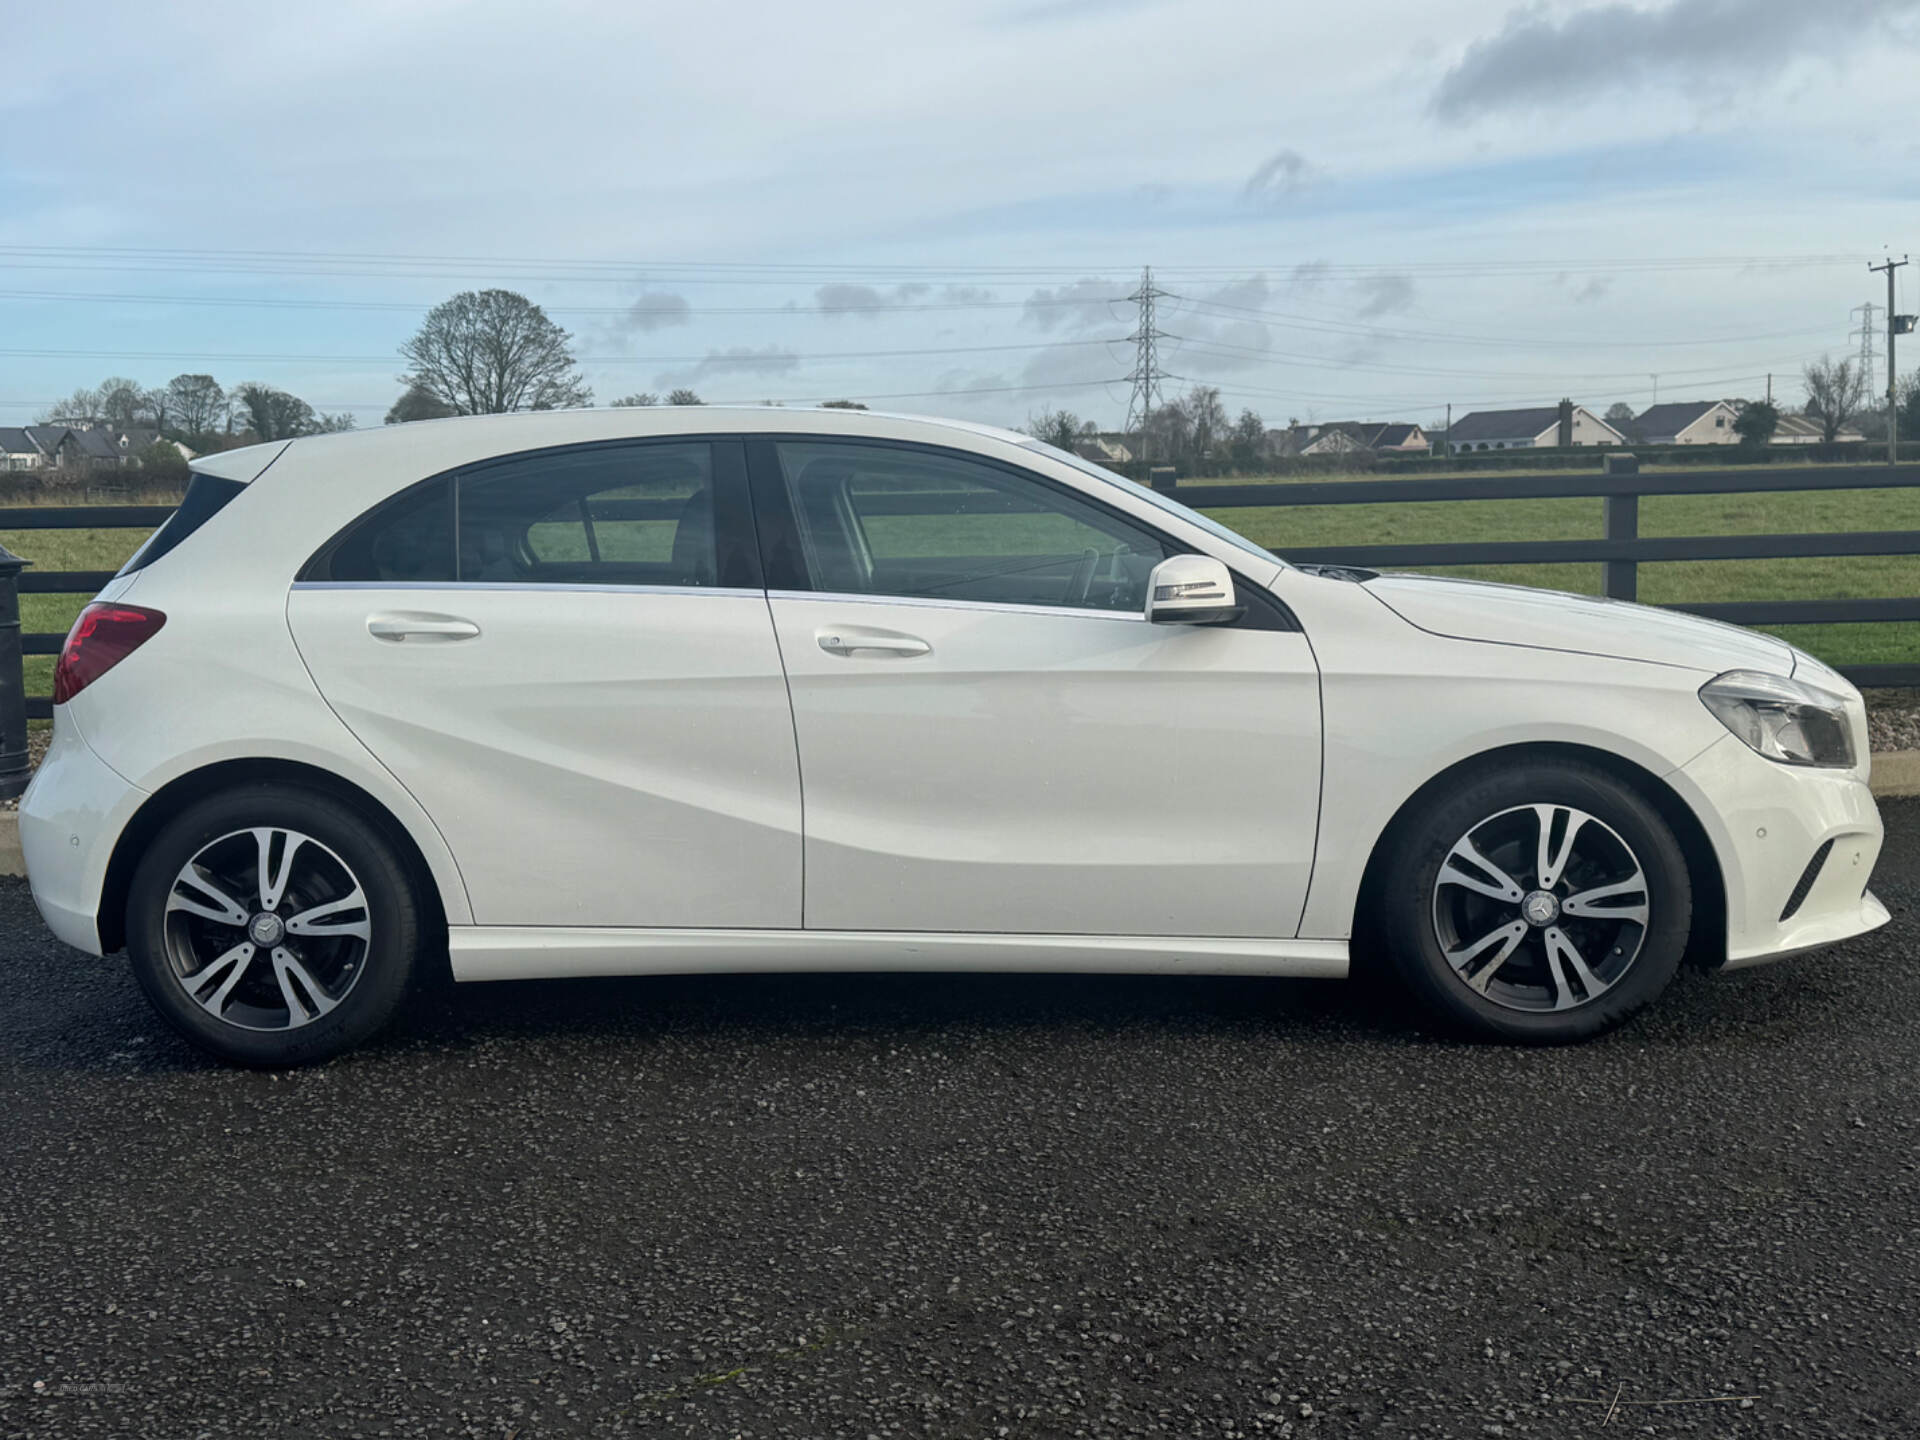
196	404
1167	436
1835	393
123	402
418	404
638	400
274	414
1621	417
683	396
487	352
83	407
1207	424
1058	428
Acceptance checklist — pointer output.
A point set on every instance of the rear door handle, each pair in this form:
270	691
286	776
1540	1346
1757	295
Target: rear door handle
401	627
851	641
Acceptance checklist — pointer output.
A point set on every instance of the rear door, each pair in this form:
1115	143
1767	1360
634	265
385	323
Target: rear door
994	739
584	692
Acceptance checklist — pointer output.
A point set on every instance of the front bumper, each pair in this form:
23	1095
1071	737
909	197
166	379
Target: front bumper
69	819
1767	822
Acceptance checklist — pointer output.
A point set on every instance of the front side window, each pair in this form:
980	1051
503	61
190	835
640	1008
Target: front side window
889	520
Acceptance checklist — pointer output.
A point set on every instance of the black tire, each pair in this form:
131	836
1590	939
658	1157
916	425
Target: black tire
1413	909
376	970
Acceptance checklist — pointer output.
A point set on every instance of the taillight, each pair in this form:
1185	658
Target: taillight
103	636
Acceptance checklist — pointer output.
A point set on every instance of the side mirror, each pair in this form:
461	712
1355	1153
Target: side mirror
1191	590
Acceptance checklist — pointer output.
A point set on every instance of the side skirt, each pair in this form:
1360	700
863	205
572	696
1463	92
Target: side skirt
513	952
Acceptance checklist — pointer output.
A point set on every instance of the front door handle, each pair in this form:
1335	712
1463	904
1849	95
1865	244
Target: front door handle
850	641
397	628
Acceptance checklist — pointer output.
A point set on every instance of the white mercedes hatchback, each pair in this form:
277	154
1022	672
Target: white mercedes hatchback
630	691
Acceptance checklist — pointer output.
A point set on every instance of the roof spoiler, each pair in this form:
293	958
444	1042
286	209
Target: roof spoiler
244	465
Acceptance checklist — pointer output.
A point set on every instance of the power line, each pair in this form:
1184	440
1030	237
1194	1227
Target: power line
1314	322
720	357
840	271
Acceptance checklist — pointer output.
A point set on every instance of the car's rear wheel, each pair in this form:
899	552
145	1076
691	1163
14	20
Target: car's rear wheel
1541	903
272	925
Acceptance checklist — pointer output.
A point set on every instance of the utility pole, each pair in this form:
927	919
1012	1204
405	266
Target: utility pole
1769	387
1894	327
1868	334
1656	388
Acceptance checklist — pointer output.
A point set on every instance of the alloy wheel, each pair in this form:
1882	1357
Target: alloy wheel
267	929
1541	908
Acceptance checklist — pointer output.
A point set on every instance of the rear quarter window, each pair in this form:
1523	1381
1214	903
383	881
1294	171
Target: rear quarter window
206	497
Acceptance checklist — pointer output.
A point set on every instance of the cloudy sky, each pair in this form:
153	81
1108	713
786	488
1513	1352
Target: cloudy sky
1368	209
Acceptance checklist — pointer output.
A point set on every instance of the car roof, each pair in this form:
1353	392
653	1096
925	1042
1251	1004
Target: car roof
468	437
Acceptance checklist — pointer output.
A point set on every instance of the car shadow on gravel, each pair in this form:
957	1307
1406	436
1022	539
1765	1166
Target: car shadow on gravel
1699	1010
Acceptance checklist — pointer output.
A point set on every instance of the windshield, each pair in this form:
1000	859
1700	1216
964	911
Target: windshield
1152	497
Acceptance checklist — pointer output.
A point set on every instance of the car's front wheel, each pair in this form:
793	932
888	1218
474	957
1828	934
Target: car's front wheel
272	925
1542	902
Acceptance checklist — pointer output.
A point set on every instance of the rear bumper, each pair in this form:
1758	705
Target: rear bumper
1767	823
69	818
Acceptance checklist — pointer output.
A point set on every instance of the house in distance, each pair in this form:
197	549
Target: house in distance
1539	427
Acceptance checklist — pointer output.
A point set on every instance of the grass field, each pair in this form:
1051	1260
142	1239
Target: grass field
1282	527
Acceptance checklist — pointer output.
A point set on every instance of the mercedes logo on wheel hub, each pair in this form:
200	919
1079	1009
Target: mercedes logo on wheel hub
1540	908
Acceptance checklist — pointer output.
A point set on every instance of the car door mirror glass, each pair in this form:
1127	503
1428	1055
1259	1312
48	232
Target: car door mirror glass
1191	590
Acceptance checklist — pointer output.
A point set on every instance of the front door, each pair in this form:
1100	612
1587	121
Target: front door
584	692
992	737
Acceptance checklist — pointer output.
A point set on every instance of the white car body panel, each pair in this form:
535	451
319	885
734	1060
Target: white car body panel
689	856
580	726
1584	624
1027	772
67	837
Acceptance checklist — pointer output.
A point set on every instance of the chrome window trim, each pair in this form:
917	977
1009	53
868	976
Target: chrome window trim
997	607
533	586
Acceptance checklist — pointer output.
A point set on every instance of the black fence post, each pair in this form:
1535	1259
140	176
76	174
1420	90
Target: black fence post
14	773
1621	578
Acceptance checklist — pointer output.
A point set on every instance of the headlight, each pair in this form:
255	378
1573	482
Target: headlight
1782	719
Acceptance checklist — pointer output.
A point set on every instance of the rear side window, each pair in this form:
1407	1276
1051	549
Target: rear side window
628	515
608	515
410	540
206	497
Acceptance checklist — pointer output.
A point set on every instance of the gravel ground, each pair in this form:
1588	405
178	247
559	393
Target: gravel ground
968	1206
1893	719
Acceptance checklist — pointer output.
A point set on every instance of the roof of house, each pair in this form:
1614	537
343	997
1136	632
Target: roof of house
14	440
1505	424
97	444
1672	417
1366	434
1388	436
1099	447
1794	423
